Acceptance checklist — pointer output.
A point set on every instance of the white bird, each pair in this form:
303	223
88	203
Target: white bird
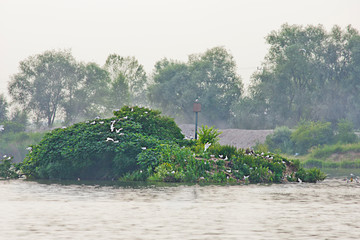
116	141
97	117
109	139
101	122
29	149
226	158
221	156
246	177
112	125
126	117
118	130
121	134
92	123
2	128
143	148
132	109
299	180
207	145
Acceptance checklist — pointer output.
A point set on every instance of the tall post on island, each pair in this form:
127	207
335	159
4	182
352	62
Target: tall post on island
196	109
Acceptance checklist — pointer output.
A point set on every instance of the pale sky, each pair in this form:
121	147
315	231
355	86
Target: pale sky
150	30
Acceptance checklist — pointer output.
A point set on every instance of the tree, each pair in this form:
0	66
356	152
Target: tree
173	91
88	96
306	75
3	108
219	85
211	77
43	82
126	73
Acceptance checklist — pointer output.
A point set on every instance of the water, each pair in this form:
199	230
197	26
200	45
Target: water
67	210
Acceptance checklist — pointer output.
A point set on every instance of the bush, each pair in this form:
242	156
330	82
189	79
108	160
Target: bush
280	139
310	175
101	148
309	134
208	135
7	169
345	132
224	150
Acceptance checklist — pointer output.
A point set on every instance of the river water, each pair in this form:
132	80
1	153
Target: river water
85	210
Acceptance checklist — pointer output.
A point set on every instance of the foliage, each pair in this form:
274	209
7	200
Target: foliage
263	147
309	134
345	132
12	127
128	80
208	135
325	151
223	151
309	73
100	148
210	77
7	171
152	123
310	175
15	143
280	139
3	108
40	84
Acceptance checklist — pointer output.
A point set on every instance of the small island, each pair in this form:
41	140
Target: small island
139	144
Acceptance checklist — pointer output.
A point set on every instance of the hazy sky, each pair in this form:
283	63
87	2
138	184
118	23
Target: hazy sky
150	30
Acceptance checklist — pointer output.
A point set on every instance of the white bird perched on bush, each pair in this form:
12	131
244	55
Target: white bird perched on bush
2	128
112	125
109	139
29	149
207	145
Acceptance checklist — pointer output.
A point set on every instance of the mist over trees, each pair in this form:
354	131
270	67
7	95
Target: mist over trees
308	74
210	77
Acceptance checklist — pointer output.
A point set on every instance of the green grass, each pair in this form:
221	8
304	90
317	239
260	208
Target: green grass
327	150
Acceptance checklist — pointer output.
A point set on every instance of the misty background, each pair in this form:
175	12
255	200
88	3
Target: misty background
186	33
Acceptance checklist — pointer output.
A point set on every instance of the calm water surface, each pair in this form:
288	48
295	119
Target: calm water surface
33	210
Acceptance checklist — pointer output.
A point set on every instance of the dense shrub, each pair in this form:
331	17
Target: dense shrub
208	135
7	170
310	175
101	148
309	134
345	132
139	144
280	140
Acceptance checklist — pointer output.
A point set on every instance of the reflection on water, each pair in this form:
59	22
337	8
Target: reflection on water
68	210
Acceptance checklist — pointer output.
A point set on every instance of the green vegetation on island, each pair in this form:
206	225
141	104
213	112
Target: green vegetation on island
139	144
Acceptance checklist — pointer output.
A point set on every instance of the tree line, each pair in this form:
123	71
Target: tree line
308	74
